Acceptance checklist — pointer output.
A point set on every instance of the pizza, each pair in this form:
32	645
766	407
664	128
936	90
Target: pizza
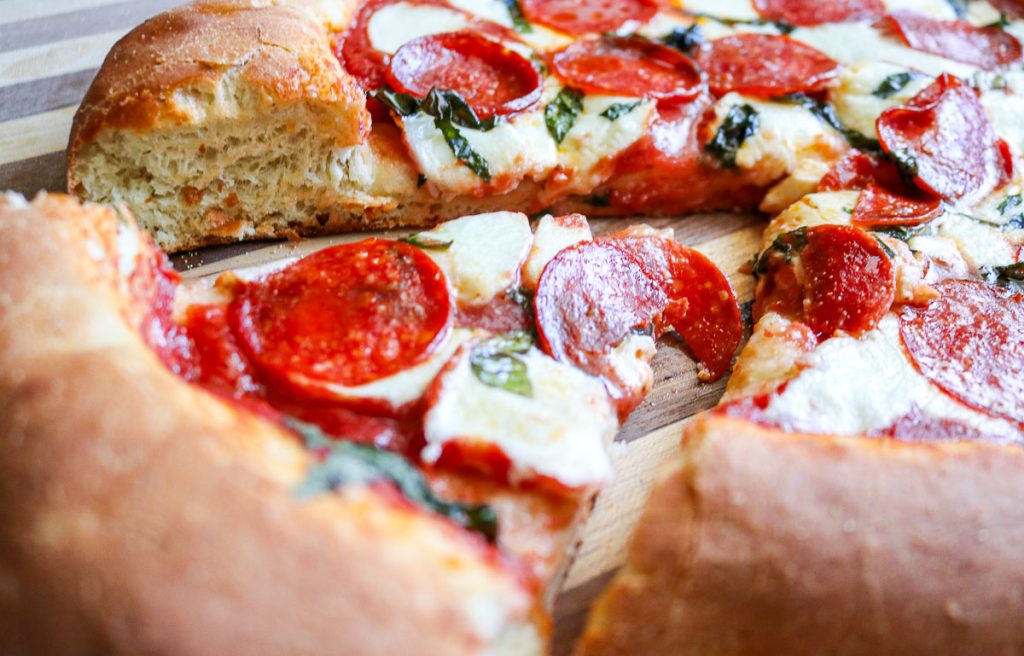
419	425
450	395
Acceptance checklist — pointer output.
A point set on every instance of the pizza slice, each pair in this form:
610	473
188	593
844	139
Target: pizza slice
388	436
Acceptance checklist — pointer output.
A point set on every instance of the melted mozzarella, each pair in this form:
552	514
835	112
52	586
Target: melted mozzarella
392	26
406	386
552	235
788	138
827	207
1006	112
495	11
514	150
734	9
560	432
854	99
486	253
631	363
852	386
941	9
981	244
594	139
849	43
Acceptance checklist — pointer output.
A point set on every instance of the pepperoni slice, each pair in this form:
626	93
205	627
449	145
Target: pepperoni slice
347	315
918	426
628	67
844	281
493	79
985	47
579	17
881	206
590	296
854	170
945	140
970	343
702	305
816	12
764	65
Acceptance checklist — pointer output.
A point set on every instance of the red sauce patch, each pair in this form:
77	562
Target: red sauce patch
579	17
491	78
989	48
348	315
946	141
628	67
702	305
970	342
816	12
764	65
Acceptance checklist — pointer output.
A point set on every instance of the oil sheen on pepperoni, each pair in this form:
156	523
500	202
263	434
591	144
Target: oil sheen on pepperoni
589	298
764	65
348	315
945	135
493	79
702	305
628	66
989	48
816	12
882	206
970	342
579	17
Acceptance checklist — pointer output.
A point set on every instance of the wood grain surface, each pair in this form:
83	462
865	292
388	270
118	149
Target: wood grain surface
50	51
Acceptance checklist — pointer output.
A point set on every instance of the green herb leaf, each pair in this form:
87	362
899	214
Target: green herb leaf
495	362
519	21
462	150
619	110
1011	275
402	103
959	7
894	83
903	233
785	246
905	163
523	296
1001	23
448	105
561	113
886	248
740	123
427	242
1007	207
827	114
349	463
684	39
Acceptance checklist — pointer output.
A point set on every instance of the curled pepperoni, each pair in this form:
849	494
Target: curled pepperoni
493	79
944	140
347	315
844	281
985	47
882	206
628	67
816	12
854	170
970	342
764	65
589	298
579	17
702	305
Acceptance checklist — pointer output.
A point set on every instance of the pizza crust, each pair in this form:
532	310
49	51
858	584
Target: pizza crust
142	515
756	541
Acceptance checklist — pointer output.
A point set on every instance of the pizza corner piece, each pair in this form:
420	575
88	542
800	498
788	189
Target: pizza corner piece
385	436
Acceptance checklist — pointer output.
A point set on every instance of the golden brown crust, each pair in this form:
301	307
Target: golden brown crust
761	542
281	50
141	515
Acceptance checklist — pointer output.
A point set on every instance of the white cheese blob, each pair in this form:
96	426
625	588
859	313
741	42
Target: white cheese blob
392	26
855	101
552	235
980	243
485	255
941	9
560	432
852	386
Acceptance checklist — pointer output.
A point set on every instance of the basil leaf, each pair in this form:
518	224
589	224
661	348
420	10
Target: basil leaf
462	150
519	21
426	242
885	248
905	163
903	233
448	105
618	110
561	113
495	363
1011	275
740	123
684	39
827	114
350	463
402	103
523	296
784	246
894	83
1007	207
1002	23
959	7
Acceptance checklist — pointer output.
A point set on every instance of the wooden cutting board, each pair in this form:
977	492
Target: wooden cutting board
50	51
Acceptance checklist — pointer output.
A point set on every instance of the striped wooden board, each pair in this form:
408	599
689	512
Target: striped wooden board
50	51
